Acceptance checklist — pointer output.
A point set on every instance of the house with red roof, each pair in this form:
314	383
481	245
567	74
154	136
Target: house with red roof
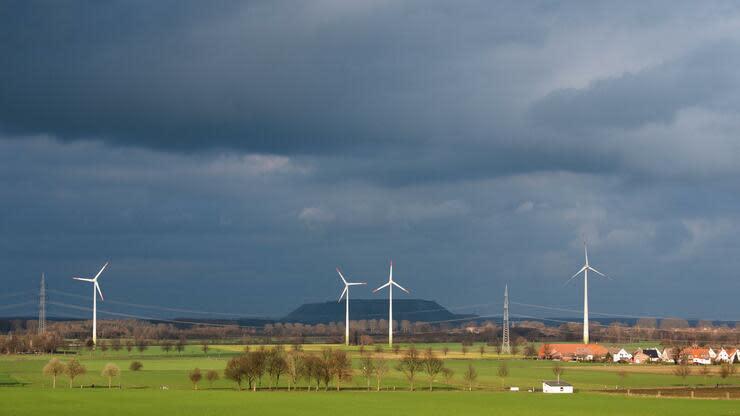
699	355
573	352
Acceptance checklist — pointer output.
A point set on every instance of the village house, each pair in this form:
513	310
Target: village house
699	355
620	355
653	353
667	356
729	355
640	357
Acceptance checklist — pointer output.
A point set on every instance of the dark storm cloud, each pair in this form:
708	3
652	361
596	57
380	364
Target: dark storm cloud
183	76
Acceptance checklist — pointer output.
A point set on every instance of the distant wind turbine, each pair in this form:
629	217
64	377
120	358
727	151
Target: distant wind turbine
586	267
346	292
96	287
390	285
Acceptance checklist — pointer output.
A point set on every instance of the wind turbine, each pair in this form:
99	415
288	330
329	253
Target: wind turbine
390	285
346	292
96	287
586	267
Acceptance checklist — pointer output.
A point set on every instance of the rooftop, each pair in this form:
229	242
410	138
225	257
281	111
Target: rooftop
556	383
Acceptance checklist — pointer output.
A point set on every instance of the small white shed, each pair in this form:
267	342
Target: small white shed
556	387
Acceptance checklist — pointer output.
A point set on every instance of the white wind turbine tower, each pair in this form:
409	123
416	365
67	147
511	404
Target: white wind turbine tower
96	287
346	292
586	267
390	285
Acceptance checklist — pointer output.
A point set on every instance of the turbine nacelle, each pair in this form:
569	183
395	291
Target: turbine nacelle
347	285
94	280
391	282
586	267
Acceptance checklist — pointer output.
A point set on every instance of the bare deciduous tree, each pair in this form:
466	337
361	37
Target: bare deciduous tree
195	376
381	368
340	367
503	372
367	368
109	371
448	375
294	367
470	376
558	370
705	371
53	369
135	366
236	370
682	370
726	370
275	365
180	345
212	376
141	345
432	366
115	344
409	365
530	351
74	369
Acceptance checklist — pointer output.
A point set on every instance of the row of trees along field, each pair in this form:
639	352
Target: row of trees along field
334	367
73	369
134	334
331	366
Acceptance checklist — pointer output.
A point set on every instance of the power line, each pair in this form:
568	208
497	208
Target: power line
10	295
145	306
15	305
150	318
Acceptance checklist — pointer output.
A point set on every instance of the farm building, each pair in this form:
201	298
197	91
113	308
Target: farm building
729	355
556	387
573	352
653	353
667	356
640	357
620	355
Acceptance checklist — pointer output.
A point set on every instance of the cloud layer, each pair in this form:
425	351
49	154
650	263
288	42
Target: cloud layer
256	145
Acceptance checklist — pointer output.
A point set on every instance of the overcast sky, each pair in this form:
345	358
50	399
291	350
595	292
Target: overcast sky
226	156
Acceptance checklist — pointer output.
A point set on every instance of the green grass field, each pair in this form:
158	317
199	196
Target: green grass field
24	390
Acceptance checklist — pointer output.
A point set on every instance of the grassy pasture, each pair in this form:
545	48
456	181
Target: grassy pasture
26	401
28	392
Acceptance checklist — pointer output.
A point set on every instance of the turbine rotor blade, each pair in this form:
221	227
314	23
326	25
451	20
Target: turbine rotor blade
343	292
575	275
382	287
83	279
598	272
101	271
97	286
341	276
400	287
356	284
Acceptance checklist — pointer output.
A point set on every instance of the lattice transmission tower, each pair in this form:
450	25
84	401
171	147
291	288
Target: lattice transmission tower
42	305
506	343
